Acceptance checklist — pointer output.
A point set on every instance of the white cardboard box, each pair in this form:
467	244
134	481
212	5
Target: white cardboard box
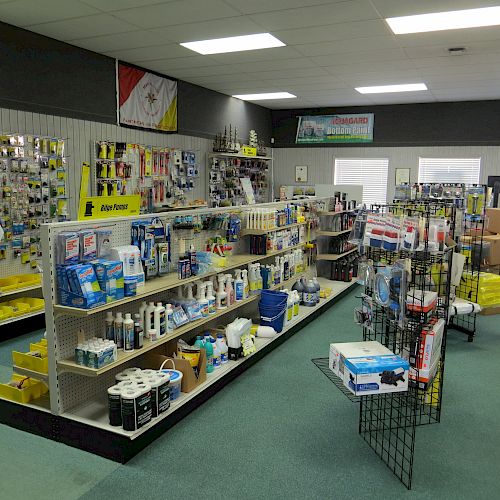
340	351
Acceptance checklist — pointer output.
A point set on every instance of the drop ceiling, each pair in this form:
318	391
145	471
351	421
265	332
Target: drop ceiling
332	46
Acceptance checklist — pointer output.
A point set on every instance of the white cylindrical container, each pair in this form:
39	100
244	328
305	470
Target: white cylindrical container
115	405
136	407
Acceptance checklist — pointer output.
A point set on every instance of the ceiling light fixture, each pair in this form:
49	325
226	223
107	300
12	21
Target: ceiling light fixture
265	96
382	89
234	44
439	21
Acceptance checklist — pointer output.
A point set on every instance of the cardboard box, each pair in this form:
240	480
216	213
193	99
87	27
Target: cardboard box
493	220
493	258
189	380
340	351
376	375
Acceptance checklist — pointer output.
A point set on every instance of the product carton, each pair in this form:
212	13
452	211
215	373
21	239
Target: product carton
493	258
340	351
493	220
376	374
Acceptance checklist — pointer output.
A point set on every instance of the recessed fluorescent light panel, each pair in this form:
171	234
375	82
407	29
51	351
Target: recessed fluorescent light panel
234	44
262	97
439	21
384	89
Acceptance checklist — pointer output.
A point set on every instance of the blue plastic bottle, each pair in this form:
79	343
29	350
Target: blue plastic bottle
210	354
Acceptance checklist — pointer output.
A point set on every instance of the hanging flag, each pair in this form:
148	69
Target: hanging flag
146	100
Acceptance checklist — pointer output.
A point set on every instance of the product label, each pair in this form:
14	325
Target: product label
128	334
163	398
309	298
115	409
119	335
211	306
163	324
154	402
239	291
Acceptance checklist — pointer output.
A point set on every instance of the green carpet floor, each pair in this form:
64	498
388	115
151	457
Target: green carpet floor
282	430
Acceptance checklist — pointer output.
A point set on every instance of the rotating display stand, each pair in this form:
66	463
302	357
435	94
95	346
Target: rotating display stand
388	422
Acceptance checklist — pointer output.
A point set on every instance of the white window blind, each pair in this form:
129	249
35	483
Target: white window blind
371	173
459	170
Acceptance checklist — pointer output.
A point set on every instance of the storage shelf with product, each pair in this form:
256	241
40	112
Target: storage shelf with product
160	311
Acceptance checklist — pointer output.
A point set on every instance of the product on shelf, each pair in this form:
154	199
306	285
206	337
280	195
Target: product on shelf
96	353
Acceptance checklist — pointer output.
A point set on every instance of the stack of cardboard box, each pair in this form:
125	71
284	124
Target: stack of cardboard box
492	235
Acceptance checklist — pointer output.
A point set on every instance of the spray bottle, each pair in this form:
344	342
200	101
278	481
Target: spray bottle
210	297
202	301
239	292
246	288
252	278
229	290
221	297
258	275
289	307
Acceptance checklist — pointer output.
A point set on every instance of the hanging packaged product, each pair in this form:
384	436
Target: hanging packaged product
357	234
375	230
392	233
411	234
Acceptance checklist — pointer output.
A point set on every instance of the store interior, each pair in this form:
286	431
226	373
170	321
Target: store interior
265	231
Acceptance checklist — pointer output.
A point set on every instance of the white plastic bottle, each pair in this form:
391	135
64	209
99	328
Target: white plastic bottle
289	307
160	324
118	327
210	297
260	284
128	333
142	313
216	360
229	290
169	313
202	301
246	288
221	297
221	344
239	292
149	317
296	302
109	332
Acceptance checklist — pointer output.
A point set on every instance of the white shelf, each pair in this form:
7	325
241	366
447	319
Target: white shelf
337	213
245	232
95	412
335	256
31	373
333	233
21	290
238	155
19	318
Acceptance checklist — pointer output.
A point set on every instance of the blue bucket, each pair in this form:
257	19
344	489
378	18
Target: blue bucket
272	297
273	316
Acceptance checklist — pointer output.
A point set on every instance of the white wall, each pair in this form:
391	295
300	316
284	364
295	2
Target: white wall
80	134
321	161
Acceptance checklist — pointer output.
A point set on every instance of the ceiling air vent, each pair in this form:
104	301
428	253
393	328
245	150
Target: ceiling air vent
457	51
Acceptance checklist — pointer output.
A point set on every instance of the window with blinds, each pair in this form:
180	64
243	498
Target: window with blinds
459	170
371	173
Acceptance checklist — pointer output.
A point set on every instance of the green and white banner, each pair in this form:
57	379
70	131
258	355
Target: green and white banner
335	128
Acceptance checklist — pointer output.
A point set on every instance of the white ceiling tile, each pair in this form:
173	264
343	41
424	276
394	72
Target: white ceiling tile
460	61
247	87
472	48
337	101
348	45
360	58
205	30
178	63
291	73
255	6
27	12
292	87
380	99
380	67
465	79
301	63
205	71
176	12
167	51
381	78
395	8
285	103
354	10
83	27
110	5
305	80
333	32
490	83
221	77
118	41
254	56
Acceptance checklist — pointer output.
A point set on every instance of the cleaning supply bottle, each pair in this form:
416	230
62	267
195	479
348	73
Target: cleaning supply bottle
149	317
210	297
108	326
296	302
221	343
210	354
118	327
277	271
160	325
229	290
289	307
169	316
246	288
216	360
202	301
142	312
199	342
299	288
221	297
128	333
258	275
309	294
252	278
138	332
317	287
239	292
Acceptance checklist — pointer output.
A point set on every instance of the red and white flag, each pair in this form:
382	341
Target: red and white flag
146	100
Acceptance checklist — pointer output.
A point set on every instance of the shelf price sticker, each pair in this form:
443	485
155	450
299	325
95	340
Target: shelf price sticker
248	151
104	207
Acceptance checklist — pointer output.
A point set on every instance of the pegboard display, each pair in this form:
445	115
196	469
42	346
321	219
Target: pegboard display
34	174
64	330
226	172
163	176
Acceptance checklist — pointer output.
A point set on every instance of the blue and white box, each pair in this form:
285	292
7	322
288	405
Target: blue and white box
376	374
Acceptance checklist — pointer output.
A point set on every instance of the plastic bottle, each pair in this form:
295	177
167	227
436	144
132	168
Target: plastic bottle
216	360
258	275
118	327
246	288
199	342
317	287
128	333
229	290
221	343
296	302
289	307
202	301
239	291
169	316
299	288
309	294
149	318
142	313
210	297
160	324
138	332
109	326
221	297
210	353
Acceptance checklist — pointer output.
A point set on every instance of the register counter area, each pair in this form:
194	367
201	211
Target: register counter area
249	249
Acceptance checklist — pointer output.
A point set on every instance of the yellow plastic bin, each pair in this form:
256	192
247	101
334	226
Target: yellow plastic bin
31	389
18	308
34	303
30	362
6	312
19	281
